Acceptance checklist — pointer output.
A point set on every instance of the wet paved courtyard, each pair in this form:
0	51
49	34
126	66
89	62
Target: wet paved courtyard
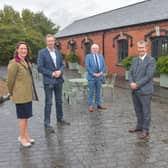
93	140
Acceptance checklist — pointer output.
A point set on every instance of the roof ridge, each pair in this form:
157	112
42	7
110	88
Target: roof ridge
118	18
111	10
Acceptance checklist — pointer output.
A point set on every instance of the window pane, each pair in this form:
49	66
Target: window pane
159	46
122	49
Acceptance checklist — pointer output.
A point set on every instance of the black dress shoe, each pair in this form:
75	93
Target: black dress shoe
134	130
49	129
63	122
144	135
101	107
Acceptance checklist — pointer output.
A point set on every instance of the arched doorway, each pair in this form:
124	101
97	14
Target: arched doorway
72	45
159	42
86	45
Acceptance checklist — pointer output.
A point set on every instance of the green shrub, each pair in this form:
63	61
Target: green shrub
162	65
72	57
127	61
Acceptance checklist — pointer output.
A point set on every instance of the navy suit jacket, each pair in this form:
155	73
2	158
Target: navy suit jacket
91	66
46	66
143	76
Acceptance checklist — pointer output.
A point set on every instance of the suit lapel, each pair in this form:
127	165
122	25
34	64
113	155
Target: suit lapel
138	66
142	66
100	62
49	56
145	61
93	58
22	64
57	58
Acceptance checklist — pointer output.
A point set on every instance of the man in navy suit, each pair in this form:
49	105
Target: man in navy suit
140	79
95	66
51	66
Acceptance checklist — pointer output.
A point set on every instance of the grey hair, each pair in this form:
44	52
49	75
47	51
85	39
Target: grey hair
50	35
141	42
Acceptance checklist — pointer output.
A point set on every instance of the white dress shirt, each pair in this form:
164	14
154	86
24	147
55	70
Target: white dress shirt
53	56
142	57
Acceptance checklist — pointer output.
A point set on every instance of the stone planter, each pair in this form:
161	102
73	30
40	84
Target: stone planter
126	74
72	65
164	80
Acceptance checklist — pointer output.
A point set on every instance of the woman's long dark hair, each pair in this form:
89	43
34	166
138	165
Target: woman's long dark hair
27	58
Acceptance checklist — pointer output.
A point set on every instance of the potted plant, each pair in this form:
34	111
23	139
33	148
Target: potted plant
72	61
126	62
162	69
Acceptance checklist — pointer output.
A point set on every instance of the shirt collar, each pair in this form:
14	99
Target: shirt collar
142	57
50	50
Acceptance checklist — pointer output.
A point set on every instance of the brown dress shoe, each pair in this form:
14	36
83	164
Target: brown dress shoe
90	109
134	130
101	107
144	135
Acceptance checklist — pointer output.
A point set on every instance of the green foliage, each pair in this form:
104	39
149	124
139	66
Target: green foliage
38	22
9	16
162	65
127	61
72	57
63	56
27	26
9	37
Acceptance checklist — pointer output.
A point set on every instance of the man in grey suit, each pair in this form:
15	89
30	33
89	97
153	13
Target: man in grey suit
140	79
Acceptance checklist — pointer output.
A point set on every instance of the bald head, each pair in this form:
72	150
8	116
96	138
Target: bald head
94	49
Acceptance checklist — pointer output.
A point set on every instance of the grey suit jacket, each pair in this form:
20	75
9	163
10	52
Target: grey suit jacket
143	75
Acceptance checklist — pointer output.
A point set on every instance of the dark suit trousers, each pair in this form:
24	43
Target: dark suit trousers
142	106
49	90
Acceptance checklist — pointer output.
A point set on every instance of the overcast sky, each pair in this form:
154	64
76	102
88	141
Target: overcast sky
64	12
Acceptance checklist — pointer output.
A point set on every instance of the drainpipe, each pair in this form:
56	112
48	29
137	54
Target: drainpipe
103	35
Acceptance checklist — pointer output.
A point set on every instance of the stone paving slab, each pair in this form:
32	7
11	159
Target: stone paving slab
93	140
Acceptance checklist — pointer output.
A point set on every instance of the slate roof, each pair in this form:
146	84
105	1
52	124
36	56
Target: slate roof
139	13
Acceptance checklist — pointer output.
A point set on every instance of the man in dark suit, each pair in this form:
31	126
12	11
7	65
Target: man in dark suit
95	66
141	83
51	66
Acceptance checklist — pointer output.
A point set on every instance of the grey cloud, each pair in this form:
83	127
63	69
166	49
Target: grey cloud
65	12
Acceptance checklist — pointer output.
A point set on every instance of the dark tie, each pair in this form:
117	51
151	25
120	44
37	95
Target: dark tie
139	66
97	64
140	61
